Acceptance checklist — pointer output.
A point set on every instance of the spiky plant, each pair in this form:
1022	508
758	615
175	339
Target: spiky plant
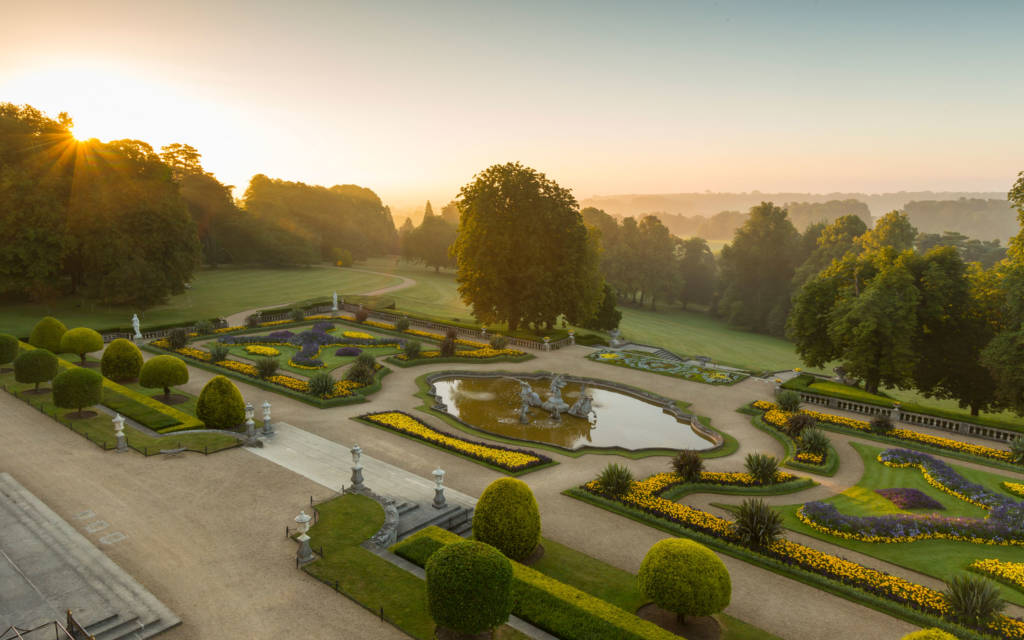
973	600
177	338
763	467
688	464
788	400
757	525
1017	449
797	423
266	366
615	479
881	425
219	351
814	441
321	384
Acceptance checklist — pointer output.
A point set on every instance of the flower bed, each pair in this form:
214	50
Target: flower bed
806	457
359	335
506	458
1012	573
260	350
654	364
644	497
1014	487
909	498
775	416
483	353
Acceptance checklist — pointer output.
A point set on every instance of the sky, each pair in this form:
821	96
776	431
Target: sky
412	99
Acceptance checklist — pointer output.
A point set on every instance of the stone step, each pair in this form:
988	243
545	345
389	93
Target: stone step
465	529
406	507
116	624
446	518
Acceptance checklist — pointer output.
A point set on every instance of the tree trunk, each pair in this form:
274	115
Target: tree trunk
871	384
974	410
167	393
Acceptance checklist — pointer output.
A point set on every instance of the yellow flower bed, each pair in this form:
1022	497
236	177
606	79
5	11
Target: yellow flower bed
261	350
643	495
608	356
274	323
227	329
192	352
343	388
809	458
240	367
290	382
1014	487
379	325
777	417
320	317
292	363
508	459
1011	572
359	335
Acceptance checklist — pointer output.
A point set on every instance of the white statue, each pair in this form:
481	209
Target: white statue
135	326
334	298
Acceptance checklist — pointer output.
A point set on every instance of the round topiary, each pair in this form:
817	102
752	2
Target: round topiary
163	372
929	634
77	388
507	518
47	334
80	341
121	360
220	404
685	577
35	365
8	349
469	587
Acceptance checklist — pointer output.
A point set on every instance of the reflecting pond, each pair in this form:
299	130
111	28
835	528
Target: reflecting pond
618	419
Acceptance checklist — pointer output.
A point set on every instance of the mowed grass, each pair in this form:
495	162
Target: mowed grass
214	293
435	294
942	559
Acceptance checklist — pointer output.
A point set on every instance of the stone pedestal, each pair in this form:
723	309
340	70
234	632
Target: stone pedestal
439	500
122	443
305	553
357	477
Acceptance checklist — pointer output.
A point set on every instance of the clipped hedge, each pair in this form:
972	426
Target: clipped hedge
35	366
507	518
469	587
8	348
559	609
80	341
121	360
685	577
77	388
220	404
47	334
163	372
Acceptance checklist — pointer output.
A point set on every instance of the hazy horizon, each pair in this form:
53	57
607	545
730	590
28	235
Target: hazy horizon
412	100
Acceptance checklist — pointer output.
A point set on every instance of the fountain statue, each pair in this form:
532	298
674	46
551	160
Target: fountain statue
583	405
529	398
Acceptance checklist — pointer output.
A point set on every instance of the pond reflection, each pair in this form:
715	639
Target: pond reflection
618	420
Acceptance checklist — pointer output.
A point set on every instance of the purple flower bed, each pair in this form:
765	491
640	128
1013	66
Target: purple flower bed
910	526
348	351
909	499
284	335
323	325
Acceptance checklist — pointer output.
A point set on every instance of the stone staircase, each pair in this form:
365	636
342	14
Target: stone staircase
47	568
413	517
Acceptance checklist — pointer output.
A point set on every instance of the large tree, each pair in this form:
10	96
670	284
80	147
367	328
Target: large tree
756	269
658	275
697	271
523	252
892	230
430	242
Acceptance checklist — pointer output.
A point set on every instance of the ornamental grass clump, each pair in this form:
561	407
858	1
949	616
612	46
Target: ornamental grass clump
757	525
266	366
973	600
881	425
1017	450
763	467
685	577
402	324
321	384
204	327
688	464
219	352
797	423
615	479
469	587
507	518
121	360
788	400
297	314
448	344
499	342
177	338
413	349
363	371
814	441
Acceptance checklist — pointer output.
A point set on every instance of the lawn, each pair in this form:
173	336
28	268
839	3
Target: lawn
941	559
373	582
214	293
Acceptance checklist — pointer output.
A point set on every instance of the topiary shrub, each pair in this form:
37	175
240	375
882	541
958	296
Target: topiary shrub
881	425
788	400
177	338
77	388
796	423
757	525
688	464
763	467
266	367
469	587
320	384
448	344
413	349
163	372
80	341
47	334
8	350
499	342
615	479
220	404
361	315
814	441
402	324
219	351
685	577
507	518
363	370
929	634
35	366
121	360
973	600
297	314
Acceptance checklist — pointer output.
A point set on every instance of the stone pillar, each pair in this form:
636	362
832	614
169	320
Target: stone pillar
250	424
439	499
572	337
305	553
357	469
122	443
268	430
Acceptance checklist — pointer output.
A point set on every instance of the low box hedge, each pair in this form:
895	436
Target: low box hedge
544	602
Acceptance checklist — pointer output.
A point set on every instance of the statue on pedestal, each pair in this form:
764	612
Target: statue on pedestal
135	326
